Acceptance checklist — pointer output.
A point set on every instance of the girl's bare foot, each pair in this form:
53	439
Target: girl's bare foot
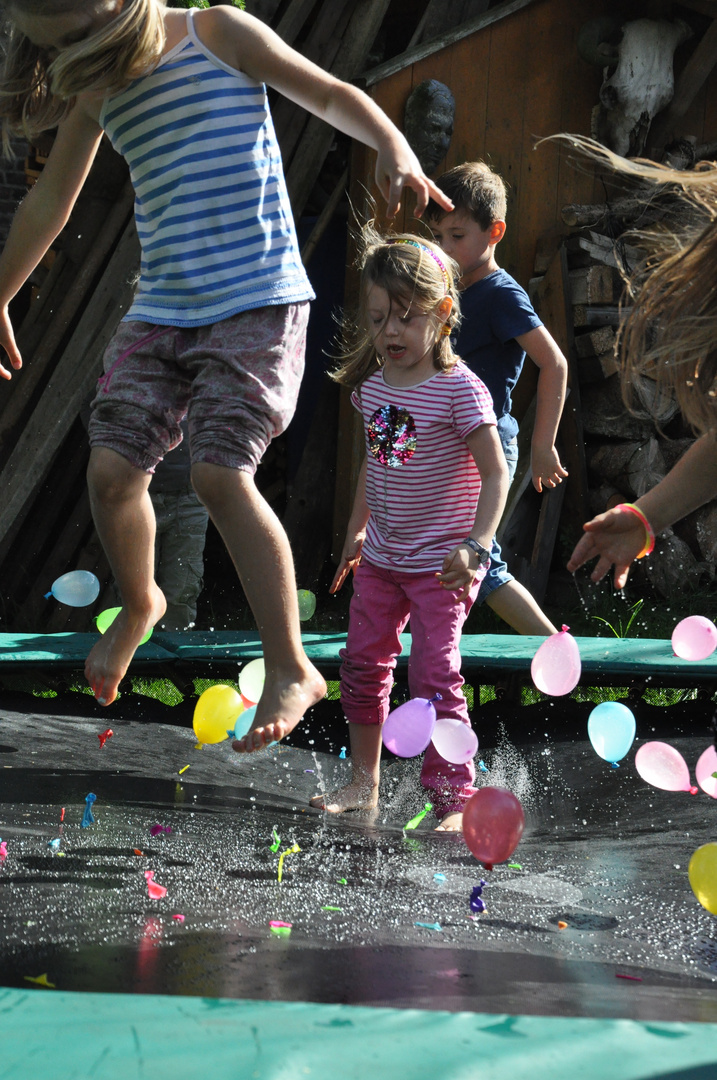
283	703
109	659
354	796
451	822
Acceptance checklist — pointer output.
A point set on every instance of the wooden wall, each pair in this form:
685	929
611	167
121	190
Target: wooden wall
516	81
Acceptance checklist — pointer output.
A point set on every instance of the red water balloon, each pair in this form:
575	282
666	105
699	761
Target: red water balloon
493	823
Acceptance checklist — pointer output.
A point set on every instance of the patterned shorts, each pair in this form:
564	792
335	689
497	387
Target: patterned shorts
236	381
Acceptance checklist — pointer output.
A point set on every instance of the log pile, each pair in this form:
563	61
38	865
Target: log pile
626	452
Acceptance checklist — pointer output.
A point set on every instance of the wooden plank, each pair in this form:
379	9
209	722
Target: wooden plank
553	305
71	383
689	83
470	79
443	41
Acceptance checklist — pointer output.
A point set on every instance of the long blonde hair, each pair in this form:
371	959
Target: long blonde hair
670	332
36	93
412	270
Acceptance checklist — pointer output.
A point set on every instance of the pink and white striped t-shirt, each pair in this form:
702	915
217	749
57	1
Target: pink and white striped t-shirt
422	484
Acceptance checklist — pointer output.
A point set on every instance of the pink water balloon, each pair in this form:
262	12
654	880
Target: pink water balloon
705	769
455	741
661	765
493	823
408	729
556	665
695	638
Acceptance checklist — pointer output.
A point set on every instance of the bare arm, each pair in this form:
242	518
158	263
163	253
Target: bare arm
44	213
552	381
249	45
618	536
355	533
460	566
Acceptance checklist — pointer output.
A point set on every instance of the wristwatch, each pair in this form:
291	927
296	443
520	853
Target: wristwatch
482	553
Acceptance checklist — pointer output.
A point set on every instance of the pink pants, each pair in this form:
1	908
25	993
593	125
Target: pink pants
382	602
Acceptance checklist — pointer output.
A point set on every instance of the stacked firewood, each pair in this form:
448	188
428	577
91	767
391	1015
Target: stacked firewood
627	451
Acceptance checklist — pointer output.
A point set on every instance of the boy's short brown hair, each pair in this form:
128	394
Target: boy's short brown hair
475	189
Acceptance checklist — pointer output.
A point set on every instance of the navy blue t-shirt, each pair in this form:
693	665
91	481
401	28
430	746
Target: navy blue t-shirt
496	310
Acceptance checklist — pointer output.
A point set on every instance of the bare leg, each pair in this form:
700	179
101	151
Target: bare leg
362	792
261	554
451	822
124	519
519	608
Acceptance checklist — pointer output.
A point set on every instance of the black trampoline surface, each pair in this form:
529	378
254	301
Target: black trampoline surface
602	852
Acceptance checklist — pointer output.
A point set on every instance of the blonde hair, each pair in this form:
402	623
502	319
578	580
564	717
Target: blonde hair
670	331
413	271
36	93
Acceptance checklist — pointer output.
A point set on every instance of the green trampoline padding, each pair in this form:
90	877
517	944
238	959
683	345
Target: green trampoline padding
72	1036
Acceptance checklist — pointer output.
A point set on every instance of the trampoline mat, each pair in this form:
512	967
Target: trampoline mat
379	916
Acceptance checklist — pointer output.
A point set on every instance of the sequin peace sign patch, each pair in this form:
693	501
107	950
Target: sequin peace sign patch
392	436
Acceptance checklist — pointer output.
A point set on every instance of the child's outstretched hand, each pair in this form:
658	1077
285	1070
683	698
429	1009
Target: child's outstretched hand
546	467
397	167
457	573
7	340
350	559
618	537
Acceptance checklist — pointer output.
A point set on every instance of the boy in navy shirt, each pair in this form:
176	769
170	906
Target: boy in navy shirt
498	329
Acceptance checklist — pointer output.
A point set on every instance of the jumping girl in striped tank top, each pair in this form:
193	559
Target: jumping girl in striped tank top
430	494
216	331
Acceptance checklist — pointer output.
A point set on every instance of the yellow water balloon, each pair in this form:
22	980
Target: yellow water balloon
216	712
703	876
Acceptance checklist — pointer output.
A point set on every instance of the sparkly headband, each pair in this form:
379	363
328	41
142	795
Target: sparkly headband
422	247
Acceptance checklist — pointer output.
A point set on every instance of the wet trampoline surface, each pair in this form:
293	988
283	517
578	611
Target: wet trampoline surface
602	852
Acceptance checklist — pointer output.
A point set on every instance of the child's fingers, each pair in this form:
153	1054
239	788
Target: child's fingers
340	576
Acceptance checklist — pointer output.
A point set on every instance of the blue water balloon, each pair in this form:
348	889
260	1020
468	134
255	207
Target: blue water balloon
244	722
611	729
78	588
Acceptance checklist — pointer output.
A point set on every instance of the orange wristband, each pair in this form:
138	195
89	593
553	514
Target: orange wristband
649	534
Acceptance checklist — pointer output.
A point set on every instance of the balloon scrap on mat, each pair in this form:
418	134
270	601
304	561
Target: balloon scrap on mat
157	829
694	638
281	929
416	821
78	588
342	753
276	841
40	980
408	729
3	850
103	736
307	604
289	851
178	918
493	823
88	817
556	667
216	713
251	680
455	741
54	845
611	730
661	765
706	771
156	892
105	619
476	903
429	925
702	873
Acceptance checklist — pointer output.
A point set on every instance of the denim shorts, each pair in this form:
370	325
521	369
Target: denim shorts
236	381
498	573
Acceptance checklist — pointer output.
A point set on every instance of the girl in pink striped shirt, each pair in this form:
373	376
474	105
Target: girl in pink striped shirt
430	494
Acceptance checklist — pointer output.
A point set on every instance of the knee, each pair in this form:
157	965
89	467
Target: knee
214	484
112	479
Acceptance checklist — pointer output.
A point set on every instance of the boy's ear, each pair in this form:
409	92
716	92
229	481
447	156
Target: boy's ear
497	232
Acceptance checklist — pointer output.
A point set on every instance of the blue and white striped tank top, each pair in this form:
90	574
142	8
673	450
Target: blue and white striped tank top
212	210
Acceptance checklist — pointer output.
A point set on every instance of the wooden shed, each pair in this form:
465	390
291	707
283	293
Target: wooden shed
518	78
